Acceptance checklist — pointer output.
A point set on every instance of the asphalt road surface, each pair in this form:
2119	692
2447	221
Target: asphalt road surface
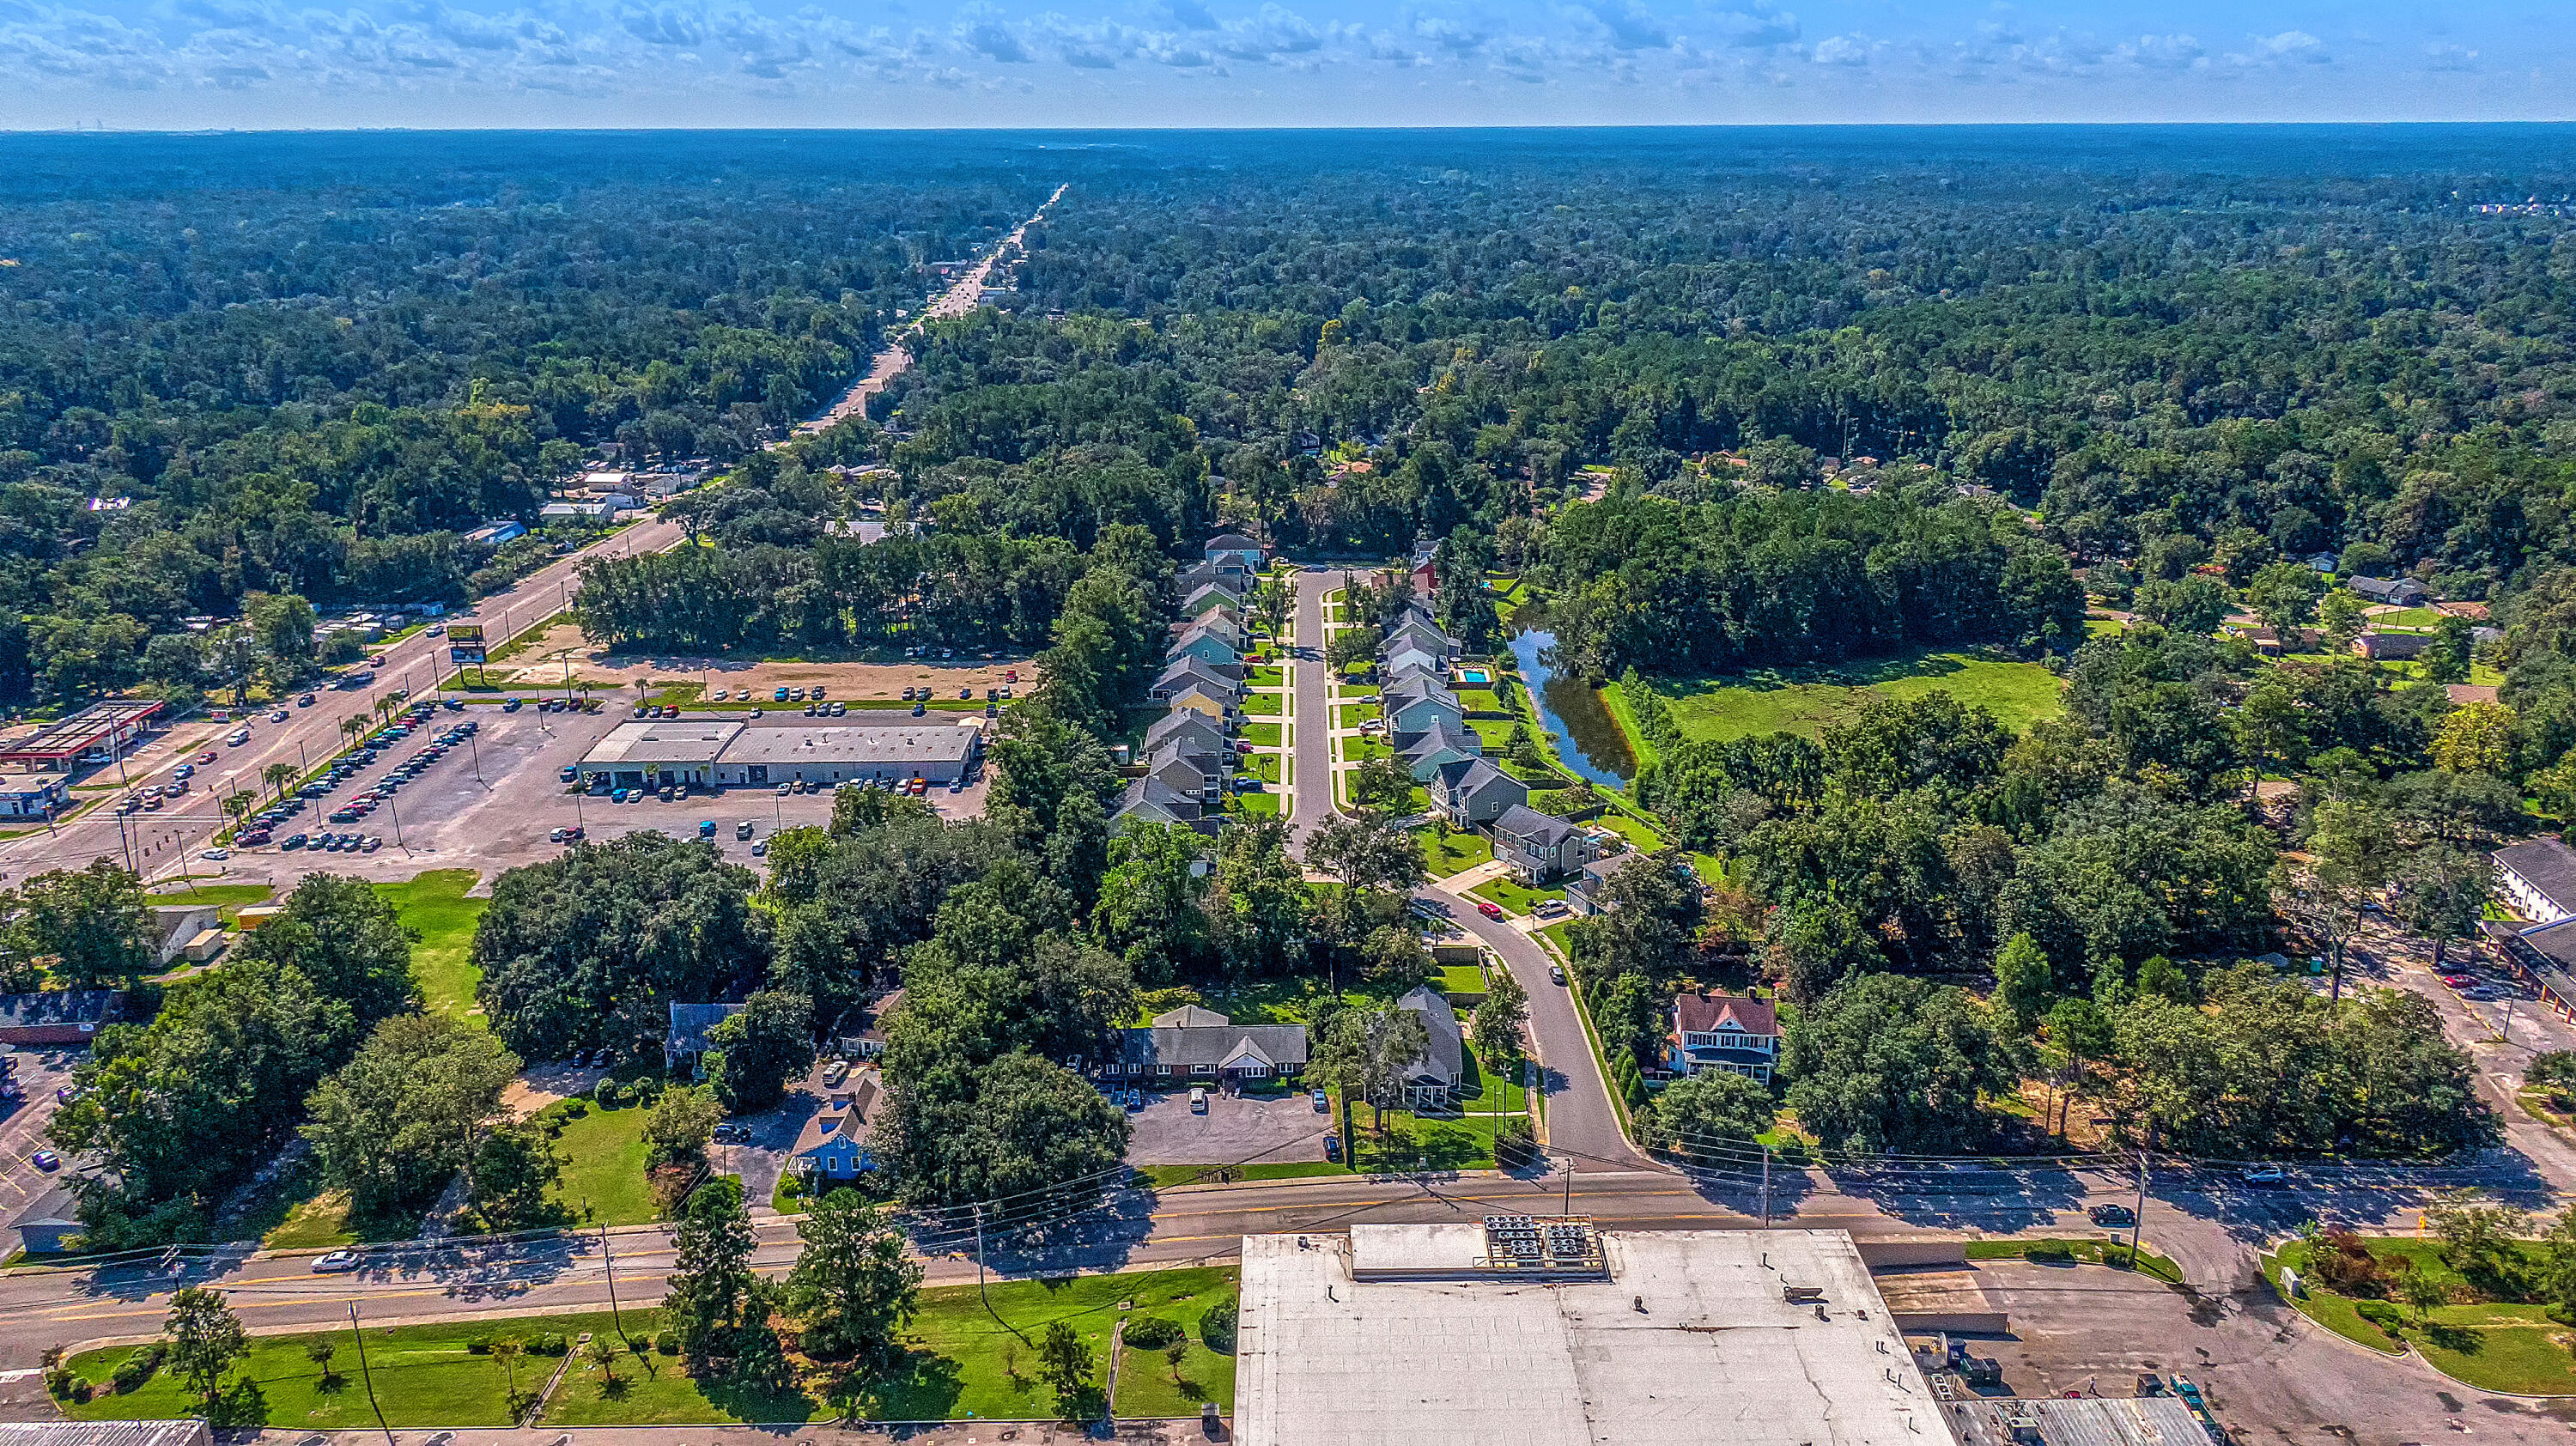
165	843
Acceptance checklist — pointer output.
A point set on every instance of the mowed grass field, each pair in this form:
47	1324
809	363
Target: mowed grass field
1807	700
433	906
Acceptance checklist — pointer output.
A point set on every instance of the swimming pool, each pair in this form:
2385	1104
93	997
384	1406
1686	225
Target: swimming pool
1477	677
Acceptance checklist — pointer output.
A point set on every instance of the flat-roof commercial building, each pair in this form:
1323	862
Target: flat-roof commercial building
723	752
656	751
938	747
1549	1331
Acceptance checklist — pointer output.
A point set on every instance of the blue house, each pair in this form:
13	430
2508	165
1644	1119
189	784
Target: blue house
832	1148
1237	548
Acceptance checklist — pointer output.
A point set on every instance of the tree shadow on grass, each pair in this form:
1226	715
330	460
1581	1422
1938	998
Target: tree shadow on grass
759	1405
2459	1340
925	1387
244	1404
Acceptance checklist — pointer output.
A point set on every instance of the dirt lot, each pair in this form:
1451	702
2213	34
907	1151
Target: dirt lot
542	665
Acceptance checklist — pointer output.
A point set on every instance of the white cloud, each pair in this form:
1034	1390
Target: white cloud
1840	50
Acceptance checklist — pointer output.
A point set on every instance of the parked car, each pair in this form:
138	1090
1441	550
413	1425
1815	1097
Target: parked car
742	829
1489	909
2111	1215
1556	974
46	1160
1198	1099
1323	1102
2263	1176
760	849
1333	1148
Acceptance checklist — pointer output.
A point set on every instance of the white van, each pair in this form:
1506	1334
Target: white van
1198	1099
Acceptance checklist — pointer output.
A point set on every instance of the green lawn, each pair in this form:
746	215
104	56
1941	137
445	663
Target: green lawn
1456	979
1632	829
2492	1345
1455	854
1266	705
1806	700
1151	1384
227	898
1352	715
603	1154
657	1390
1255	804
1265	766
1262	735
424	1376
434	907
966	1360
1479	700
1268	678
320	1221
2092	1252
1166	1176
1514	899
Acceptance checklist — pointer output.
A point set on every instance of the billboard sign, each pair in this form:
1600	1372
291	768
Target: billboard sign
465	643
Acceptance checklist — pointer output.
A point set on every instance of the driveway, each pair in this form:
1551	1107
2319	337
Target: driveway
1264	1129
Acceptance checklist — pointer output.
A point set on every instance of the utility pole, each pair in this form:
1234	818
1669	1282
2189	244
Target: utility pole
1766	1187
608	1258
368	1376
2138	1217
979	1260
1569	1185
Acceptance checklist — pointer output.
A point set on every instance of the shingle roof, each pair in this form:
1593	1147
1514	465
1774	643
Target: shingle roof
1524	822
1191	1016
1710	1013
1447	1050
1185	1048
1230	542
1184	726
844	1117
1444	735
1153	798
690	1023
2546	864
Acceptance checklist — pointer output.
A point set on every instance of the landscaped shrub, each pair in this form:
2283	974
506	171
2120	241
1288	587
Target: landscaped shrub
610	1094
2055	1252
134	1370
2341	1263
1217	1328
478	1345
59	1381
666	1342
1152	1332
552	1343
791	1188
2380	1313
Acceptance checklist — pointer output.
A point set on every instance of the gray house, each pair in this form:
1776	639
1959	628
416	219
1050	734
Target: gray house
1442	744
1188	771
1539	848
686	1040
1472	791
1224	629
1181	671
1433	1081
1192	731
1191	1045
2404	592
1413	710
1150	800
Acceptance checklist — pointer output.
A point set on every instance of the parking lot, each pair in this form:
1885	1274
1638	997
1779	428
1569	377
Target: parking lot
39	1073
1262	1129
491	803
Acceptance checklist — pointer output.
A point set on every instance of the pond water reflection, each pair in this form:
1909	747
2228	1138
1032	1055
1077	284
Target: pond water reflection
1588	738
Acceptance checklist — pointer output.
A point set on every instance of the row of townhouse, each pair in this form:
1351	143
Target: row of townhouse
1191	752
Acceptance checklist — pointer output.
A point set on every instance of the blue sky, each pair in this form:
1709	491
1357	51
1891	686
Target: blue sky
168	64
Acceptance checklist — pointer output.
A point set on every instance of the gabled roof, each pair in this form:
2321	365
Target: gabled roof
1217	1046
1410	694
1190	1016
1231	542
1187	669
1521	821
2546	864
1185	727
1198	688
1711	1013
1447	1050
841	1118
1154	801
1220	631
1445	735
1472	776
690	1023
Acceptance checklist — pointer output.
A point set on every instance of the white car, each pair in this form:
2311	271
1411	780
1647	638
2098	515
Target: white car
216	856
337	1261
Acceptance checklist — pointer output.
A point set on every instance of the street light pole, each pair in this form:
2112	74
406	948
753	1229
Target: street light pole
368	1376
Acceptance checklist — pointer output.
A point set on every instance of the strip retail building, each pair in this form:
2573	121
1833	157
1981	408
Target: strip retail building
731	753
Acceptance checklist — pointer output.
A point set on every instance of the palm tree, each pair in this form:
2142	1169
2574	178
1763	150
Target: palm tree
277	776
507	1352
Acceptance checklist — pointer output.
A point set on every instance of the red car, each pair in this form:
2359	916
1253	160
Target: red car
1490	911
206	757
